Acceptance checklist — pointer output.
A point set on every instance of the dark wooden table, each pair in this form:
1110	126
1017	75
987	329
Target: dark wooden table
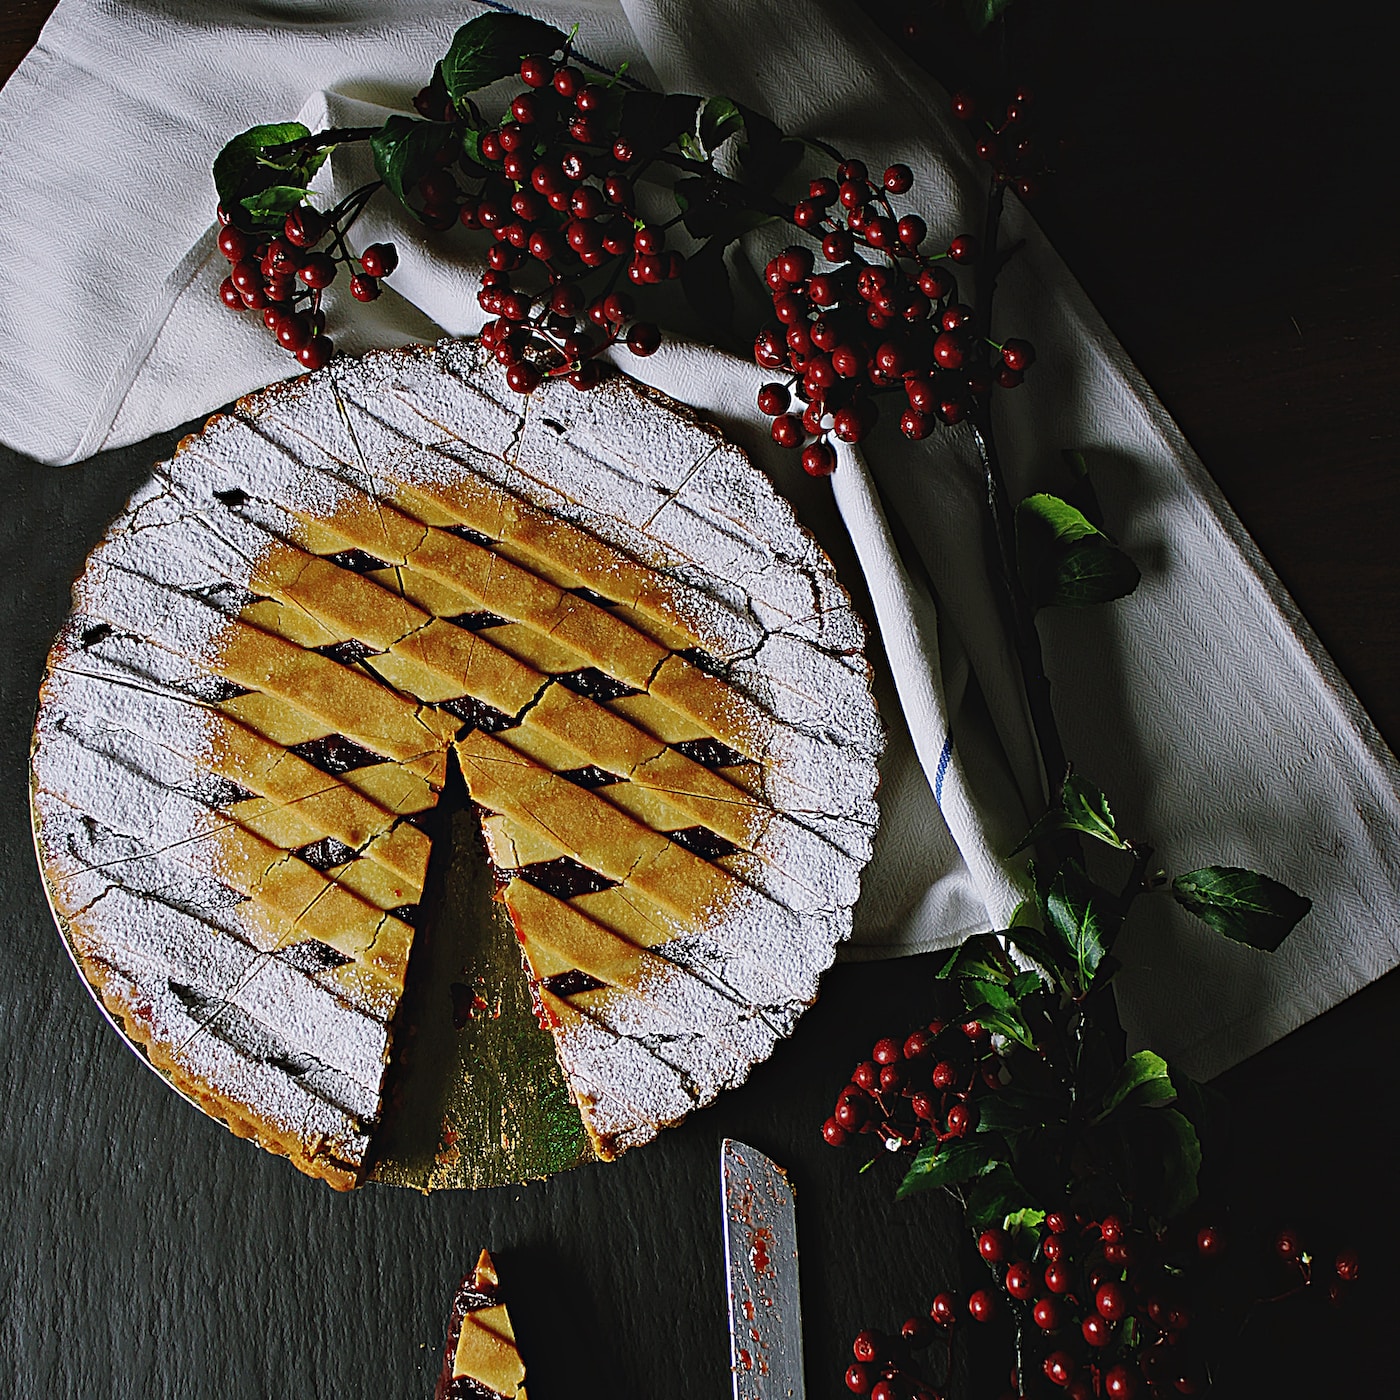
1226	201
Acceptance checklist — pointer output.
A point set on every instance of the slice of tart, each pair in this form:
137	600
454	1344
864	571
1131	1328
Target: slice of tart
592	606
482	1361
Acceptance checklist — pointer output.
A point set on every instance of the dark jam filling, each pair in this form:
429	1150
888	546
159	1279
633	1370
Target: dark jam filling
325	853
710	753
564	878
702	661
477	621
465	1388
335	754
98	632
570	983
349	652
357	561
215	690
590	777
477	714
703	842
223	792
595	685
228	597
405	913
465	532
589	596
314	956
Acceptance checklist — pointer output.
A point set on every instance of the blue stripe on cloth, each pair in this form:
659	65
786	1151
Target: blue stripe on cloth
943	760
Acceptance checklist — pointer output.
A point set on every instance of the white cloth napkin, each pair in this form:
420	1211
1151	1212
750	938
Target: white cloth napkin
1203	704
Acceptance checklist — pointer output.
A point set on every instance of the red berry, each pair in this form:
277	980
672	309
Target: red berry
1046	1314
317	271
1058	1278
1056	1223
850	1113
1097	1330
982	1306
834	1133
911	230
1019	1281
916	1331
234	244
523	377
643	339
964	108
887	1051
774	399
918	1046
899	179
304	226
363	288
1112	1229
838	247
293	332
858	1379
1018	355
867	1345
818	460
944	1309
1348	1265
1059	1368
795	264
230	295
787	430
1288	1246
950	350
1053	1248
850	424
1210	1242
317	352
1119	1383
1112	1301
567	81
964	248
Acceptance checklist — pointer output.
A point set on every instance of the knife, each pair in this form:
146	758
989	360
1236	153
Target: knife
760	1262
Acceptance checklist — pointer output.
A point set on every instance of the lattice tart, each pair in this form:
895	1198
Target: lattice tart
591	604
482	1360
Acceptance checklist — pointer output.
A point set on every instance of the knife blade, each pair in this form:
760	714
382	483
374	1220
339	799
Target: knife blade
760	1261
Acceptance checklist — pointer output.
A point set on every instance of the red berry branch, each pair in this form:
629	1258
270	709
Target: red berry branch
1075	1164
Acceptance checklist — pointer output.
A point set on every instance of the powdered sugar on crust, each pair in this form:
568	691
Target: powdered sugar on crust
132	806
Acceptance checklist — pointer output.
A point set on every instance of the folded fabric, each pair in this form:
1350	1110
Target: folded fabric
1203	704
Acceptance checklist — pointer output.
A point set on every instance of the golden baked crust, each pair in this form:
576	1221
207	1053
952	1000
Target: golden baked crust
481	1347
661	713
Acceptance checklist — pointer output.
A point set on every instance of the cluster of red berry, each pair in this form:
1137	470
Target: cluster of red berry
1107	1300
1008	147
558	200
918	1089
855	328
283	276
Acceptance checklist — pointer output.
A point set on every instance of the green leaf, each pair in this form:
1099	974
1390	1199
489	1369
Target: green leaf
404	151
765	154
651	121
947	1164
1004	1021
275	199
1082	807
993	1196
980	956
1064	560
1144	1081
259	160
712	210
719	119
1012	1111
980	13
1034	944
705	281
490	47
1073	909
1181	1163
1027	983
1026	1219
1241	904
